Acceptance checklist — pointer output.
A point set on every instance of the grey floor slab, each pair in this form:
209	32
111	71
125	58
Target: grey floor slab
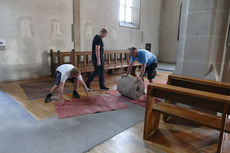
20	133
166	66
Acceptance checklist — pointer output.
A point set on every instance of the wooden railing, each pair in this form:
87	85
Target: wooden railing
82	59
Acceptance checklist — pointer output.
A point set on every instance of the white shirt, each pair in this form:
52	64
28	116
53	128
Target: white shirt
65	72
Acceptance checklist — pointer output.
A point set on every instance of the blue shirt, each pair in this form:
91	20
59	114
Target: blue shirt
144	57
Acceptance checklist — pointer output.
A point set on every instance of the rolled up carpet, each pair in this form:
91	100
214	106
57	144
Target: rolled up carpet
130	87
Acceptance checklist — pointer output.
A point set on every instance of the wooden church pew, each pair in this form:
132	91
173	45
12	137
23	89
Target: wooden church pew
206	101
199	84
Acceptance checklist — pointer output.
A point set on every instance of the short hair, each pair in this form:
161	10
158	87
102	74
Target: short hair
132	49
103	30
74	71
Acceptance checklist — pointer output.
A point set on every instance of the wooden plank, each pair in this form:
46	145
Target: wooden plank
195	116
151	118
199	84
190	92
223	126
201	81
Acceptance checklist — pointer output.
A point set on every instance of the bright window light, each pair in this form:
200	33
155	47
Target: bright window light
126	7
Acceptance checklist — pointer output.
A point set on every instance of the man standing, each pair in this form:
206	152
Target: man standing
98	59
148	61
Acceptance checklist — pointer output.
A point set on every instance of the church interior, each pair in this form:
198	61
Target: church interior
181	107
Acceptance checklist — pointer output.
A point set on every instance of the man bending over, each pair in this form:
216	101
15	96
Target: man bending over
148	61
66	72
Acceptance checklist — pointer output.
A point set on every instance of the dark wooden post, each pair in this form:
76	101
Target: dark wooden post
85	61
73	57
52	63
109	59
115	58
59	58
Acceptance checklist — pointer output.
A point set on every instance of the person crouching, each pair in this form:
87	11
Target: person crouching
66	72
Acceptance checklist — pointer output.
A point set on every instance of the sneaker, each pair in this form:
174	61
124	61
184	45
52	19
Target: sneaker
75	94
104	88
47	99
89	89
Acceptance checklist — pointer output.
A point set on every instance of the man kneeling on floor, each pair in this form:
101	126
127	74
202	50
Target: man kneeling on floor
64	72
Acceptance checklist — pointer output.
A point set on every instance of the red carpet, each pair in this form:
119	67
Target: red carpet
141	101
87	105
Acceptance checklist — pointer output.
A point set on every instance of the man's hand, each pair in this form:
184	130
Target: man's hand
99	63
61	102
140	79
87	93
124	75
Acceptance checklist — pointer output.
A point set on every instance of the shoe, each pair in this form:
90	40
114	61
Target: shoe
89	89
104	88
75	94
47	99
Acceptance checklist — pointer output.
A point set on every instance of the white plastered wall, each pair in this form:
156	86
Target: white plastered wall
105	13
30	29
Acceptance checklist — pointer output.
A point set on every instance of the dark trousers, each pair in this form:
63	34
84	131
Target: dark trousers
98	70
151	71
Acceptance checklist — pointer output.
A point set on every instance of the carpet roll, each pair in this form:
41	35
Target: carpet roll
130	87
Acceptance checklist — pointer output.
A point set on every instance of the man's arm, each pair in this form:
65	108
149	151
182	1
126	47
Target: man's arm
129	68
98	55
61	90
142	70
84	86
75	84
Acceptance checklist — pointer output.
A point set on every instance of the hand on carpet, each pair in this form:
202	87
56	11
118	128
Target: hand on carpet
88	98
61	102
140	79
124	75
